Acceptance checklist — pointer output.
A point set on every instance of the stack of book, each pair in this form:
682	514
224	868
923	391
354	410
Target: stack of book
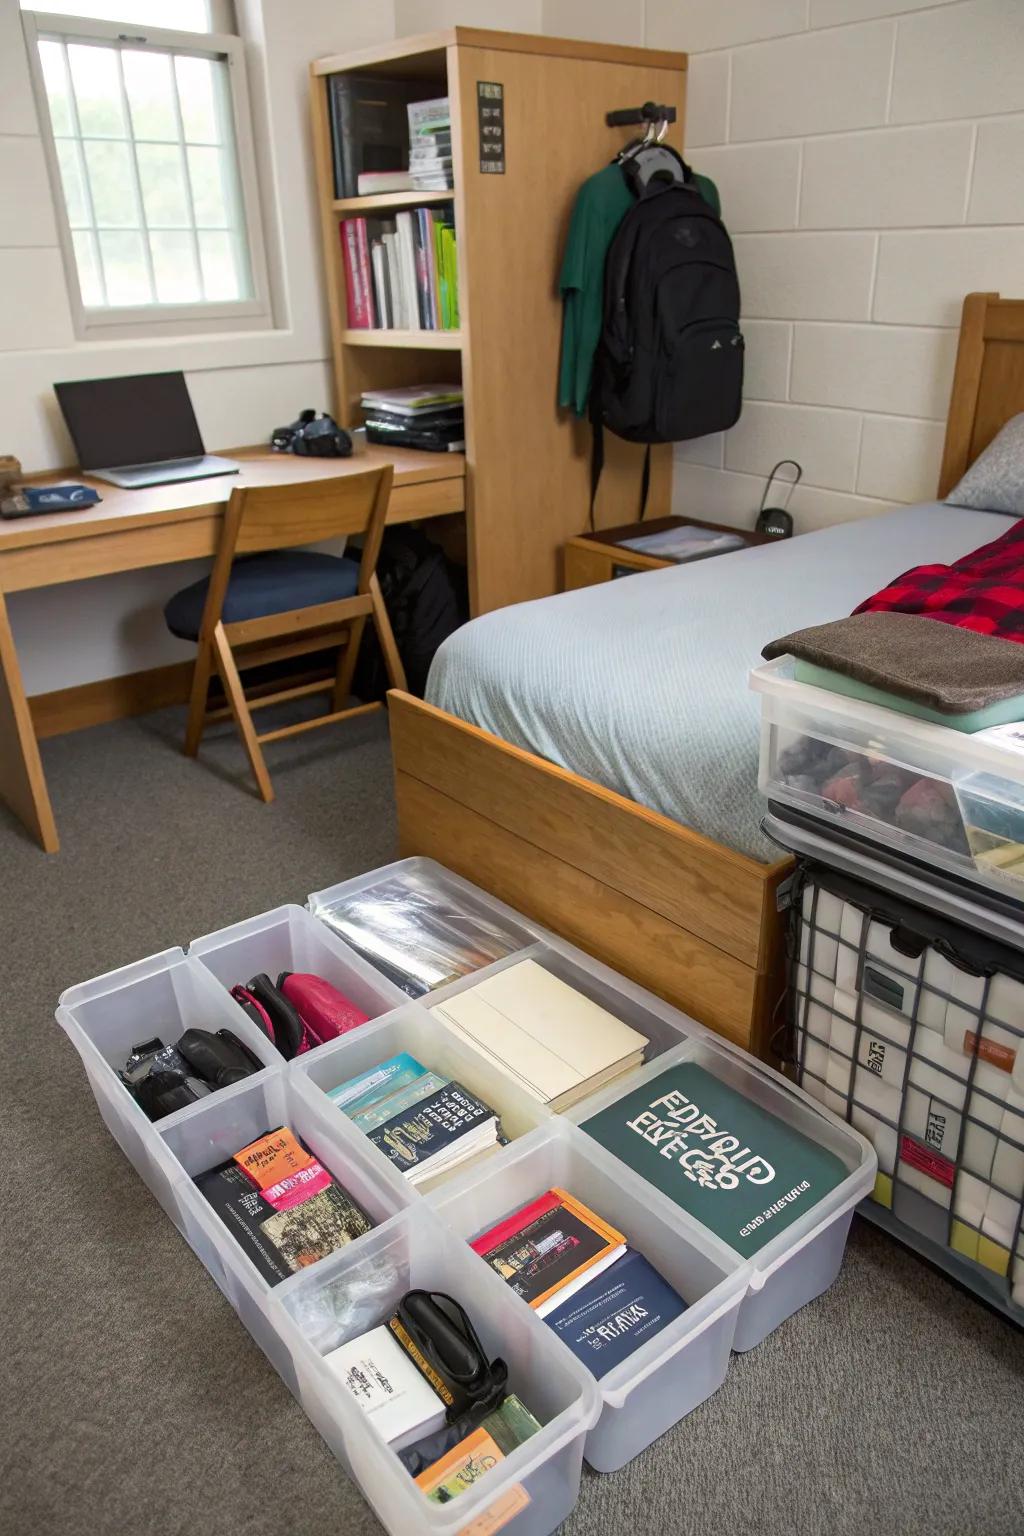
401	273
416	932
283	1206
429	416
556	1043
602	1299
430	145
424	1123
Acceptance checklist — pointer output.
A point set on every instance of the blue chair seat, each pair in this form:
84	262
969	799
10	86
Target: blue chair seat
260	585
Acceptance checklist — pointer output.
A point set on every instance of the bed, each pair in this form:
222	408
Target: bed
592	758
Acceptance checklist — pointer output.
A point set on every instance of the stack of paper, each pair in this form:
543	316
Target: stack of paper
554	1041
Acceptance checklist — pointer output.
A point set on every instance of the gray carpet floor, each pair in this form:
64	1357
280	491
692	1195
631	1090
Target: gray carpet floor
131	1398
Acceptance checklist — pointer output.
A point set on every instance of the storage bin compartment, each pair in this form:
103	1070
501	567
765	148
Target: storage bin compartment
460	915
411	1029
213	1132
289	939
527	1494
804	1259
904	783
910	1025
106	1017
677	1368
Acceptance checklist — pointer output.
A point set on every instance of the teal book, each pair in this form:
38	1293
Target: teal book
738	1169
359	1092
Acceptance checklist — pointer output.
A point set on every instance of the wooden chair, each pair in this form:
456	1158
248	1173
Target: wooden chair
260	519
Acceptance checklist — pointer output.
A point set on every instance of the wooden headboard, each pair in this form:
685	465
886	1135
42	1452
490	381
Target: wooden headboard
988	382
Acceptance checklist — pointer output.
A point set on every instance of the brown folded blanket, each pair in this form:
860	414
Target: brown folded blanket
939	665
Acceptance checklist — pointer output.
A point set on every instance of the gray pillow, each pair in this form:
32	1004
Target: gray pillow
995	481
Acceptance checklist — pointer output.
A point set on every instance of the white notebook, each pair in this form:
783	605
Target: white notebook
542	1032
399	1402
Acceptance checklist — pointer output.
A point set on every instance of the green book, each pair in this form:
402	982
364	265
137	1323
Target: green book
739	1170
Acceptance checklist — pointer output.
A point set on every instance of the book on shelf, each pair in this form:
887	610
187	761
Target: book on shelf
550	1249
397	1399
614	1314
283	1206
362	313
400	271
429	117
740	1170
430	156
423	1122
369	127
371	183
553	1040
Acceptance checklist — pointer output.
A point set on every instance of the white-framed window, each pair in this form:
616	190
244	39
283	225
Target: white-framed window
147	133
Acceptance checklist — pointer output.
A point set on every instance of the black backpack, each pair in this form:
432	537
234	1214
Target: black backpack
426	600
669	364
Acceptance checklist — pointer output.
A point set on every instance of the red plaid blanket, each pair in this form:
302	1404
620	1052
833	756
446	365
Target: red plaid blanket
983	591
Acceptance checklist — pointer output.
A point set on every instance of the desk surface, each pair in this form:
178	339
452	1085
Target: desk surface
191	499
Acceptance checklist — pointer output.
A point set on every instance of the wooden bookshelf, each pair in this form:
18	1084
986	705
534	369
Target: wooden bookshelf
527	462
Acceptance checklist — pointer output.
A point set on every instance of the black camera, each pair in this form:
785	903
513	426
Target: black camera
313	435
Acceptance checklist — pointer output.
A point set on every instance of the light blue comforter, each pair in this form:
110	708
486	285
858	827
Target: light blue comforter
640	684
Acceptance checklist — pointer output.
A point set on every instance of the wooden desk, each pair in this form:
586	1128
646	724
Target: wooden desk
130	530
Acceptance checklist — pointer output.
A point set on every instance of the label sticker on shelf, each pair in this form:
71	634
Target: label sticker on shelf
490	108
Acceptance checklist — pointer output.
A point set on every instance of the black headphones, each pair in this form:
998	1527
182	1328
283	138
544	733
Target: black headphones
313	436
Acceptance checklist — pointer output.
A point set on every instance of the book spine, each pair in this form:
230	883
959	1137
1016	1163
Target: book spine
407	261
355	296
365	273
337	105
423	271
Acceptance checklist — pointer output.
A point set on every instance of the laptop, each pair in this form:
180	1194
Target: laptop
137	431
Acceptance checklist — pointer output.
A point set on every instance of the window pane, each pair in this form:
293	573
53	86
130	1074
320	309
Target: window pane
163	186
150	87
124	267
110	181
72	179
221	278
196	89
88	264
209	194
174	267
97	82
55	78
184	15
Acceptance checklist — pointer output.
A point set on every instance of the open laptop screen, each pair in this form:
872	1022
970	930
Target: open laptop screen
143	419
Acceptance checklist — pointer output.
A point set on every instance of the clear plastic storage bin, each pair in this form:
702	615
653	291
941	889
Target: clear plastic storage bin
421	1236
290	939
106	1017
805	1258
942	796
535	1488
677	1368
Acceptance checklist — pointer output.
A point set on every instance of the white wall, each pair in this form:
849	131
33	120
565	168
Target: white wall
870	156
242	385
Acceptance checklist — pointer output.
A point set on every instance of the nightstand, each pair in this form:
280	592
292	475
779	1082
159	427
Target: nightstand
597	557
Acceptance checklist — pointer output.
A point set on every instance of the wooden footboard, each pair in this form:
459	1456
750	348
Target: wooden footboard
694	921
